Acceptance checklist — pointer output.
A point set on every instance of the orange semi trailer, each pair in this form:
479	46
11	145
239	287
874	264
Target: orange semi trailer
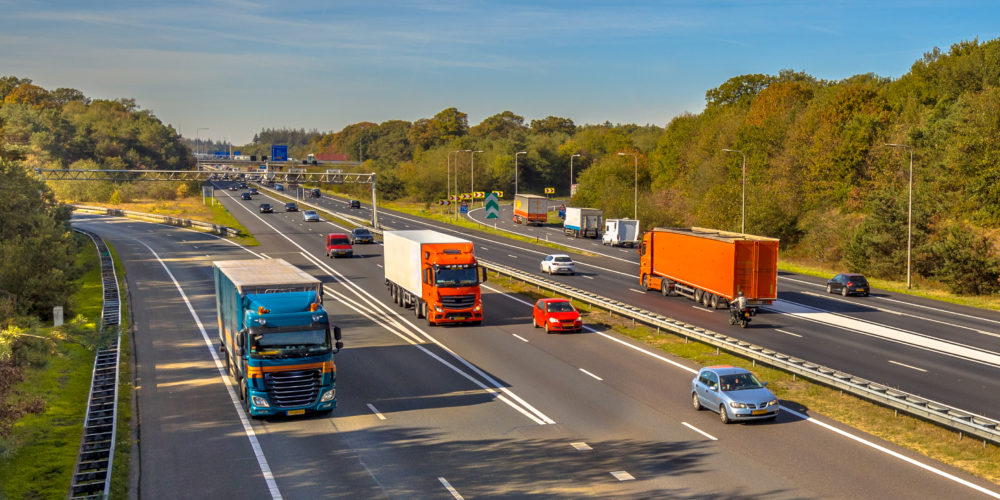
709	266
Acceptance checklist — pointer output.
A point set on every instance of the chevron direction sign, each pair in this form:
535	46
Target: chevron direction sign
492	206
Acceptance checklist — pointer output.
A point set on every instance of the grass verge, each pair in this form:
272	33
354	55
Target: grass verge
908	432
41	452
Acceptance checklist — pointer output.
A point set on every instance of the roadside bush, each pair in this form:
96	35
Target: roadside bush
966	261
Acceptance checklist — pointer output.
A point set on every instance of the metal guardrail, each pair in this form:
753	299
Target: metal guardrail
166	219
92	472
965	422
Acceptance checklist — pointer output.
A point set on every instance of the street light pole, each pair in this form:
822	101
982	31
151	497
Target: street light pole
909	213
472	174
635	197
515	169
197	142
743	210
571	174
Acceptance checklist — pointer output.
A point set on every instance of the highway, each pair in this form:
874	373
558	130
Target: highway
500	410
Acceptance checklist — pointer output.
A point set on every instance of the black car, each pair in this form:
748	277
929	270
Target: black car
291	207
361	235
848	284
233	188
246	195
265	208
355	204
315	193
253	191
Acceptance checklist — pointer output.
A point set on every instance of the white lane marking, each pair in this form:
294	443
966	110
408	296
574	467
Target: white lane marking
787	333
900	313
484	248
904	365
512	256
935	309
894	454
920	341
447	486
591	374
376	412
700	308
581	446
699	431
519	337
589	277
265	468
378	265
636	291
622	475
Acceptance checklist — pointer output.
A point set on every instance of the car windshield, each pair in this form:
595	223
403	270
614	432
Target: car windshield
740	381
309	212
457	276
362	232
340	241
560	307
564	260
288	342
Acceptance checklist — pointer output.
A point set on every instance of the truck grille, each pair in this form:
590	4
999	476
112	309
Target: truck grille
292	388
458	301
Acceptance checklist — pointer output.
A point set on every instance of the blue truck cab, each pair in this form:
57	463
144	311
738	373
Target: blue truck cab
275	337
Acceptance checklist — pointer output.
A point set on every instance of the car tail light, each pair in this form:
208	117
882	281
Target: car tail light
850	284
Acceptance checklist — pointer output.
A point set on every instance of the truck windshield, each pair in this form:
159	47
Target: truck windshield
457	276
288	342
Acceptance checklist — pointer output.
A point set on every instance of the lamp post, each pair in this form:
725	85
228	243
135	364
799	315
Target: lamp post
197	142
472	173
909	212
743	210
515	169
571	174
635	198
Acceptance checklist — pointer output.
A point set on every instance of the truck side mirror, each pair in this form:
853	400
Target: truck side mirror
483	272
336	333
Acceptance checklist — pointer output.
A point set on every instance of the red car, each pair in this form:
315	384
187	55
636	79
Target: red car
338	245
556	315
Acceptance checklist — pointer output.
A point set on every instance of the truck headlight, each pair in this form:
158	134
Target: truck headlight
259	401
734	404
479	307
438	308
328	396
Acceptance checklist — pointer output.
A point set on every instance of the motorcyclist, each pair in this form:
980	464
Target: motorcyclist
737	307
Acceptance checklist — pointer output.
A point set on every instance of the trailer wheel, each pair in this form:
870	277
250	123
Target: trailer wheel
417	311
715	301
664	288
698	294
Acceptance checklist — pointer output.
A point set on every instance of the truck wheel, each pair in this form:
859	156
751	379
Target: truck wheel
417	311
644	282
714	303
698	294
664	288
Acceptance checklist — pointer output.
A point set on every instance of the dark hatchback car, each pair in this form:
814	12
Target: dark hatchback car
848	284
291	207
265	208
246	195
361	235
355	204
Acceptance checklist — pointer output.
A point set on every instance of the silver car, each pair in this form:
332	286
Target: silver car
558	263
310	216
735	393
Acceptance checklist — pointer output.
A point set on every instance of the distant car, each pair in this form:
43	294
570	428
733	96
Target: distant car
338	245
361	235
243	185
254	191
355	204
558	263
233	187
848	284
556	315
279	187
735	393
291	207
315	193
310	216
246	195
265	208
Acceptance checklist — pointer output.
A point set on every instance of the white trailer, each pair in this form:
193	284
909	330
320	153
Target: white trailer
621	232
584	222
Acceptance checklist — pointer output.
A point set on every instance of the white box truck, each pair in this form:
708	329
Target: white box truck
584	222
621	232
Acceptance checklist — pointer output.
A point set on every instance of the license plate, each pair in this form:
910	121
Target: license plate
296	412
860	290
459	318
758	412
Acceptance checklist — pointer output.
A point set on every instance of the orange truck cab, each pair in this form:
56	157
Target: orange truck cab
338	245
709	266
435	274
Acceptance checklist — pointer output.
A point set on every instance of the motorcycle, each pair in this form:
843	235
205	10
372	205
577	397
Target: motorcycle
741	316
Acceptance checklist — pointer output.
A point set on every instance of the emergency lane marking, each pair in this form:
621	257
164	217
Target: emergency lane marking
591	374
900	313
519	337
453	491
636	291
787	333
376	412
699	431
904	365
622	475
581	446
588	277
258	452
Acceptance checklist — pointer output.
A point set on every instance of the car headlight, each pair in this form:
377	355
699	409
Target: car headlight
259	401
773	402
553	320
328	396
735	404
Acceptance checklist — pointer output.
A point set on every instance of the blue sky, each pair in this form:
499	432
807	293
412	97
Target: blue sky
238	66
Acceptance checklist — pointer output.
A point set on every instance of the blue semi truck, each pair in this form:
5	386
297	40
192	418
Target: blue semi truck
275	336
